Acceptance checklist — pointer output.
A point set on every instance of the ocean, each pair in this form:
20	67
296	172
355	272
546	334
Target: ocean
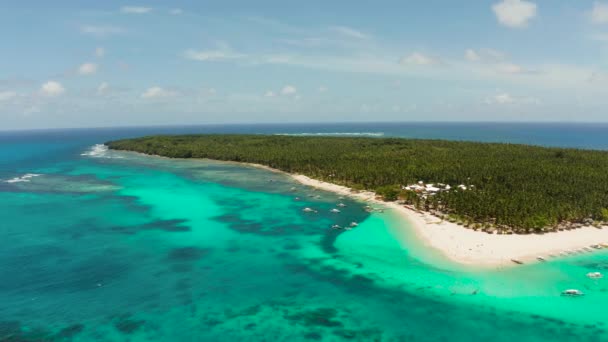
98	245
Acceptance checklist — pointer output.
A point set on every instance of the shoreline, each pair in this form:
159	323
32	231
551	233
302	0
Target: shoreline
459	244
466	246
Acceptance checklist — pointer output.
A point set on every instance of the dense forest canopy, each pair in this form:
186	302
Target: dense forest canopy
516	186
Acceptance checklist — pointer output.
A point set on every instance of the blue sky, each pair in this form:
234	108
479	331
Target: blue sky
116	63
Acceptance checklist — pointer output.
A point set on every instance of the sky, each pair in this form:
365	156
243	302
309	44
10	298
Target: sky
122	63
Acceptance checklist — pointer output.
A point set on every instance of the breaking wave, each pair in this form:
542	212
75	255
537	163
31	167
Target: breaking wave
99	151
25	178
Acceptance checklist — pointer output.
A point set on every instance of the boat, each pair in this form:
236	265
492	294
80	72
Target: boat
596	246
572	293
354	224
539	258
297	198
595	275
335	226
341	205
335	211
309	210
519	262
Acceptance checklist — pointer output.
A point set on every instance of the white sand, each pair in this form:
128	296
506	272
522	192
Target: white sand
467	246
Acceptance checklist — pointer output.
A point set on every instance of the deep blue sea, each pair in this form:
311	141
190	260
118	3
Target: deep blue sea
98	245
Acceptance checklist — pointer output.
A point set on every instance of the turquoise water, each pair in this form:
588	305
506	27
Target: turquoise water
123	247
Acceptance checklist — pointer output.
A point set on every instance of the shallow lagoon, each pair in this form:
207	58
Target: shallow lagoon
137	248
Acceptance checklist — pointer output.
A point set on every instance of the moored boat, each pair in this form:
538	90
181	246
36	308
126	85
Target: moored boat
572	293
595	275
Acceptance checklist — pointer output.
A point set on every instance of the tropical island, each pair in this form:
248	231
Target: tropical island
500	189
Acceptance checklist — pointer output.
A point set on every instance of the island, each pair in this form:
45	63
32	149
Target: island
460	188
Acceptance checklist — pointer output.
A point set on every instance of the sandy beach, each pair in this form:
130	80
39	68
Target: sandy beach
466	246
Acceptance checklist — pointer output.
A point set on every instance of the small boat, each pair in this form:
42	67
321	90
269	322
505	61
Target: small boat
335	226
293	189
341	205
297	198
539	258
354	224
335	211
596	246
572	293
317	197
309	210
519	262
348	228
595	275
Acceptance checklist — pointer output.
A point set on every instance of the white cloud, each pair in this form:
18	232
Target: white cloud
514	13
322	89
418	58
289	90
211	55
7	95
508	99
87	69
103	89
135	9
157	93
472	56
350	32
510	68
599	13
484	55
176	11
101	31
52	89
100	52
270	93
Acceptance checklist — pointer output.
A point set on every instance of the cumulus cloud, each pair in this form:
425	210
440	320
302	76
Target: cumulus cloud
157	93
100	52
87	69
514	13
322	89
52	89
101	31
270	93
418	58
599	13
289	90
349	32
135	10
